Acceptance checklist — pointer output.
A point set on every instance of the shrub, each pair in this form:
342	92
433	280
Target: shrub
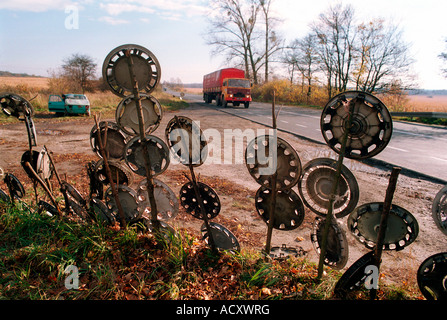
286	92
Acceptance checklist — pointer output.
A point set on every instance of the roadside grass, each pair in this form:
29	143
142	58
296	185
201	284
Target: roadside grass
101	102
430	121
133	264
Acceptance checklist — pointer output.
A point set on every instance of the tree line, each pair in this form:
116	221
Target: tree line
337	53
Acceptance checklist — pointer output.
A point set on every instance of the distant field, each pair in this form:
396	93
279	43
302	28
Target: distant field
33	82
193	90
427	103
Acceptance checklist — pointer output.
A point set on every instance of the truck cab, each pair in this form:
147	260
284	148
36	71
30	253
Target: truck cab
236	91
69	104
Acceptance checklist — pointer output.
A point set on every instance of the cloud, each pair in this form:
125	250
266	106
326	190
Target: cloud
34	5
115	9
113	21
168	9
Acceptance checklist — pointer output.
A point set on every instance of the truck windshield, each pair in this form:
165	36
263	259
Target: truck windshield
243	83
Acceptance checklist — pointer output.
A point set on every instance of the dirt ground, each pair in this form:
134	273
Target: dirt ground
69	142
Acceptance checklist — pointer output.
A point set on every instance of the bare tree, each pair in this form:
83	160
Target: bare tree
290	60
327	63
79	69
336	34
382	57
303	56
443	56
232	33
309	60
273	42
371	56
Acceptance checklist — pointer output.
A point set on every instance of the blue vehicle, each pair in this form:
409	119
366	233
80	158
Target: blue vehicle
69	104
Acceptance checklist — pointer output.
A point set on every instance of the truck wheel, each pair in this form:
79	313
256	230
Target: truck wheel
218	101
246	104
224	102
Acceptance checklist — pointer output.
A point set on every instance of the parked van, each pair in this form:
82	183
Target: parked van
69	104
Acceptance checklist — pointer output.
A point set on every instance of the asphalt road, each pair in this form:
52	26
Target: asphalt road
420	150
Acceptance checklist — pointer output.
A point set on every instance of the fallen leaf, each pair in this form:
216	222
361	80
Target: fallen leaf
266	291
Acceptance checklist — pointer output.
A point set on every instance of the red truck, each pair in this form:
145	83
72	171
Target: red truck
227	86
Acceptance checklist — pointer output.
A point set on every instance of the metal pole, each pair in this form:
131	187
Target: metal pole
202	209
147	160
7	180
44	186
329	215
384	222
109	174
62	187
188	148
31	142
273	187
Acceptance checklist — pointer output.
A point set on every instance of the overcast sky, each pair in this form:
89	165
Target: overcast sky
34	37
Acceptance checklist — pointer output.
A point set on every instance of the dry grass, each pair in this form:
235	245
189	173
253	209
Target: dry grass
34	82
37	90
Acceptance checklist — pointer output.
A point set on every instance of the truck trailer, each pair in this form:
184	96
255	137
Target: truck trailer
227	86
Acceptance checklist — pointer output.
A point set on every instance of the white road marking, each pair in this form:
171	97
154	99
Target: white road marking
439	159
417	134
398	149
300	114
284	121
305	115
300	125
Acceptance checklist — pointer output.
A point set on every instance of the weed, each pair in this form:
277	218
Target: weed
133	264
